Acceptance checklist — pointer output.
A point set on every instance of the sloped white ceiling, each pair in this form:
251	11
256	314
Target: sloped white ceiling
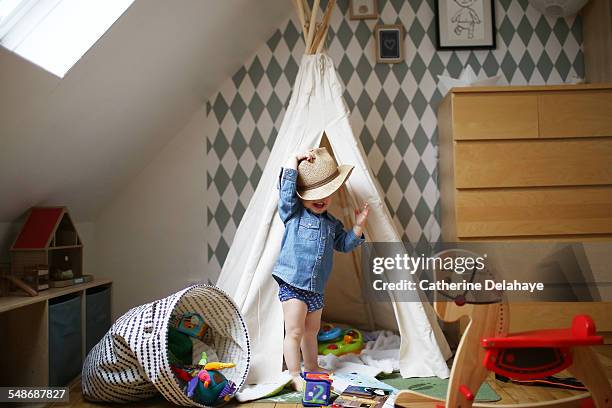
76	141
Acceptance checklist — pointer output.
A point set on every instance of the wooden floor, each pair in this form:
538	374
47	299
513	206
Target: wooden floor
509	393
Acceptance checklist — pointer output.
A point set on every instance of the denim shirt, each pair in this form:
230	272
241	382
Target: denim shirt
309	240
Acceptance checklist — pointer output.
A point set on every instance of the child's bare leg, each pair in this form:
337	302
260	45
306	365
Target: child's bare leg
294	312
309	341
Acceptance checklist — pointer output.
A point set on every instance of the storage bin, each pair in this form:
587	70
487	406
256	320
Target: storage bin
97	315
131	361
65	359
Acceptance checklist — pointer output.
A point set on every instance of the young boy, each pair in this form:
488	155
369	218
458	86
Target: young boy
307	184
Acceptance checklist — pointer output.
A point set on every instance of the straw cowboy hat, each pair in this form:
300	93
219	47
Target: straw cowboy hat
322	176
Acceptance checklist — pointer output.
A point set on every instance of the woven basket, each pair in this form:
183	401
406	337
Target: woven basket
131	363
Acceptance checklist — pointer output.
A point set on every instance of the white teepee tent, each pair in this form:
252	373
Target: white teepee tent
318	115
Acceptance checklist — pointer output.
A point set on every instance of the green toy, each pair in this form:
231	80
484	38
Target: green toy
348	341
204	359
179	347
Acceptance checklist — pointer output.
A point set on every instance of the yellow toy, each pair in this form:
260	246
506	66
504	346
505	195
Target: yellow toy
216	365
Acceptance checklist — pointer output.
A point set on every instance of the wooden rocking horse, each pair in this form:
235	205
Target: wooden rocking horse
487	347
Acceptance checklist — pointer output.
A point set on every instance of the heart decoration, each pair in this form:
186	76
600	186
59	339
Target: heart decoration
389	43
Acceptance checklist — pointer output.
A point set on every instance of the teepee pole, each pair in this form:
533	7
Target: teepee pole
299	6
306	8
322	35
321	41
312	25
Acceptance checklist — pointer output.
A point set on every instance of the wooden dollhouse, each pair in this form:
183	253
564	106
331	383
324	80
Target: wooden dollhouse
49	237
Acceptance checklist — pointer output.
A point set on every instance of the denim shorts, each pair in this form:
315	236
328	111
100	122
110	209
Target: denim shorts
313	300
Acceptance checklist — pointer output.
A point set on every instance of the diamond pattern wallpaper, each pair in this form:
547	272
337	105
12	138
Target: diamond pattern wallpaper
393	106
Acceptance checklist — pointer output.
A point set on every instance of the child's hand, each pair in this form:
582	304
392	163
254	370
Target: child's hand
305	156
295	159
361	215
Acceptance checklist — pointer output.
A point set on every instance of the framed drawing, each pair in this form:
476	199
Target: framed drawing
389	44
363	9
462	24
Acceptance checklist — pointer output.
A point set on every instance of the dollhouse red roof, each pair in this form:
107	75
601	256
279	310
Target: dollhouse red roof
39	227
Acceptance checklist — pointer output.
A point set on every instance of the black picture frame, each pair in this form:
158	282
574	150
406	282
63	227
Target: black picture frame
395	34
442	43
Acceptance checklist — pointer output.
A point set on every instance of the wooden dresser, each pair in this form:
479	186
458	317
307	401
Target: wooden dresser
529	163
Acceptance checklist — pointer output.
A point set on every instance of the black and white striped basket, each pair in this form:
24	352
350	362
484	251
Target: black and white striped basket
130	363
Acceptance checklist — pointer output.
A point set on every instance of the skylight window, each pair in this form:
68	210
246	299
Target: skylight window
55	34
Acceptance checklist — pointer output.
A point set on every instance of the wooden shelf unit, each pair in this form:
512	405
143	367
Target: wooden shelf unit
24	338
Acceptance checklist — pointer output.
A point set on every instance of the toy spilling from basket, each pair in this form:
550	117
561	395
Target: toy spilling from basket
195	362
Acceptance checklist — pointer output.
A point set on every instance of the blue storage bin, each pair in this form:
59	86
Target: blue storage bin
65	359
98	315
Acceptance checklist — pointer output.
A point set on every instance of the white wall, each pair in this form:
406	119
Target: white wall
78	141
151	238
8	233
83	141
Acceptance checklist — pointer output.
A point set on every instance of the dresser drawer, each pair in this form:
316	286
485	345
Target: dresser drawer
534	211
576	114
486	116
533	163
